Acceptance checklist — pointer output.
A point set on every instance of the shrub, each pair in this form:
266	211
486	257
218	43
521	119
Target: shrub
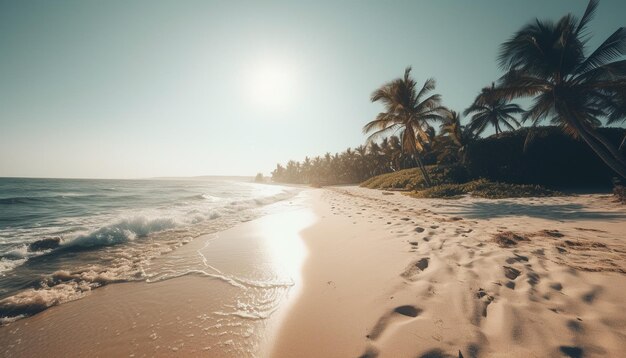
485	189
411	179
552	158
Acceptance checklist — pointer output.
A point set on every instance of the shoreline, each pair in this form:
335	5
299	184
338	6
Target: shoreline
372	275
220	295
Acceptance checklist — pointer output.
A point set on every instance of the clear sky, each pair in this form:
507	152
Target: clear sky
127	89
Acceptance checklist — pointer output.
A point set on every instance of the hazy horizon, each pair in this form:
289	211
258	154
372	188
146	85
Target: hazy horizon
149	89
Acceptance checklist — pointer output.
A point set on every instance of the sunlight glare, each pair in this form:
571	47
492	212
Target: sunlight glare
271	85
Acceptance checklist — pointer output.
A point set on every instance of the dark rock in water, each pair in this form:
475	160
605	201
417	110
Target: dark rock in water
45	244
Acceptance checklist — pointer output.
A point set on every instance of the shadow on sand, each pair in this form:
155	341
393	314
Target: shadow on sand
563	212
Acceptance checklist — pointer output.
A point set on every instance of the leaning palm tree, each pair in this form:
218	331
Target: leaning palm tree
618	113
489	109
546	61
409	111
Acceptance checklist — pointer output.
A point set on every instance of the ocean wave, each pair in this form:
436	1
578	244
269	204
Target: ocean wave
120	232
22	200
60	287
122	255
17	253
8	264
25	200
205	197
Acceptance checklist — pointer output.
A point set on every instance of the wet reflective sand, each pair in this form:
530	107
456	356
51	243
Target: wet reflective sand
220	295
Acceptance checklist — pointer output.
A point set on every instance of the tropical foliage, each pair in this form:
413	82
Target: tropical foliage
490	109
545	61
350	166
409	111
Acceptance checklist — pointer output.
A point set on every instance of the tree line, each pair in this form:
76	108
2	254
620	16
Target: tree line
544	61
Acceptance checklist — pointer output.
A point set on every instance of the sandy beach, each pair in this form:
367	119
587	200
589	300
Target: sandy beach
371	273
393	276
313	179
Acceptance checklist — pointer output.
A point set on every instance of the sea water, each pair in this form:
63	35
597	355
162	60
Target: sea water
61	238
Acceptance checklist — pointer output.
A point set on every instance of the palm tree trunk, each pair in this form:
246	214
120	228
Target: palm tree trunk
607	158
423	170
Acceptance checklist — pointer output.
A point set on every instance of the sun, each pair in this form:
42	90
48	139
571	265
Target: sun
271	84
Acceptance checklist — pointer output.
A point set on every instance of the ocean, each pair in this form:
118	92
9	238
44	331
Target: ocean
61	238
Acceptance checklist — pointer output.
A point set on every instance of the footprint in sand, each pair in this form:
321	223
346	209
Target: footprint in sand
572	352
408	310
415	268
556	286
485	298
511	273
398	313
370	353
516	258
591	296
533	278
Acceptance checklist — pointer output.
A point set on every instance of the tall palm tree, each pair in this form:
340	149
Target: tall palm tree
547	61
489	109
409	111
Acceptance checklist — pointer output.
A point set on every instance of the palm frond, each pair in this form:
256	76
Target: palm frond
381	132
612	48
428	86
590	11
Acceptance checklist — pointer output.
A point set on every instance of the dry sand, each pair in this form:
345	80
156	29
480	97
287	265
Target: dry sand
393	276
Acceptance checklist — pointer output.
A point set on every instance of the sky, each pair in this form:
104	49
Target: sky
137	89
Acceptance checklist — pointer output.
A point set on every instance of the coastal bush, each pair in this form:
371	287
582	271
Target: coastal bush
485	189
441	191
412	179
551	158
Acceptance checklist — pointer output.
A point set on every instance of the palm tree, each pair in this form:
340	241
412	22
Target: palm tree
546	61
409	111
458	137
490	109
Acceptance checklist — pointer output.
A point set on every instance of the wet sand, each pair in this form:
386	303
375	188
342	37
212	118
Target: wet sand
220	296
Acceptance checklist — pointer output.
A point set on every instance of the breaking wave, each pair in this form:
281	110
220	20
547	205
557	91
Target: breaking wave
120	232
113	248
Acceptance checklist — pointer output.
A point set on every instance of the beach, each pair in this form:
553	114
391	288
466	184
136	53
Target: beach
349	271
393	276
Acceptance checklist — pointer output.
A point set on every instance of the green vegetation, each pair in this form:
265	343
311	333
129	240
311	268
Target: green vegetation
410	111
578	93
552	159
546	61
485	189
412	179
